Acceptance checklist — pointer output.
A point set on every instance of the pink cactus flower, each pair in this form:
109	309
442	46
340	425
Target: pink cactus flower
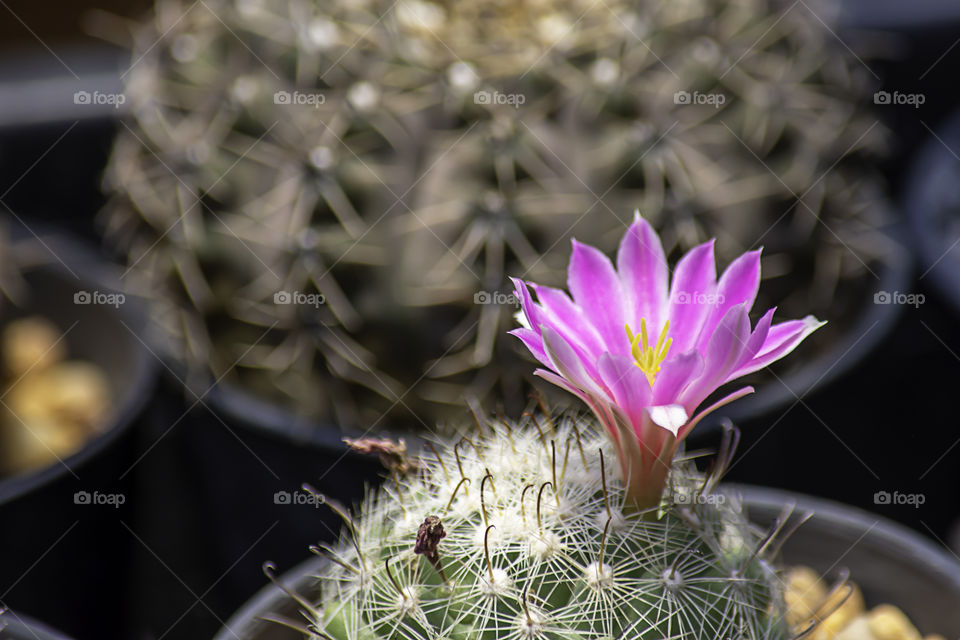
644	350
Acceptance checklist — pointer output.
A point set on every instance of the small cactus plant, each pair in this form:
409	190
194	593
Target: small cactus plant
402	158
526	533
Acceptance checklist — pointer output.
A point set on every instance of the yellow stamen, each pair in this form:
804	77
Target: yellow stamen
648	359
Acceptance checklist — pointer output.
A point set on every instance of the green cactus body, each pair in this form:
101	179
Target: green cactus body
533	547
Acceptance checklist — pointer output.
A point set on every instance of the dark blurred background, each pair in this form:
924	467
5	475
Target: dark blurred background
887	425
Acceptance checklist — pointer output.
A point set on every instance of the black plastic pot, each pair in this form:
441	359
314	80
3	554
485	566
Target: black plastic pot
222	476
52	146
889	562
59	538
16	626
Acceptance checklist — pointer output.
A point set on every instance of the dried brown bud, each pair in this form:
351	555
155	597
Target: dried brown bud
393	455
429	536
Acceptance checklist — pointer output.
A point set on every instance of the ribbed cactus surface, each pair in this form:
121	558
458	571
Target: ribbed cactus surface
519	533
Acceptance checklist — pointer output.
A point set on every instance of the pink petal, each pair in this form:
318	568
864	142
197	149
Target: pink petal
533	342
558	310
692	295
723	353
603	410
738	286
627	383
727	399
567	362
780	340
632	395
563	383
755	343
578	334
530	310
643	275
596	290
675	374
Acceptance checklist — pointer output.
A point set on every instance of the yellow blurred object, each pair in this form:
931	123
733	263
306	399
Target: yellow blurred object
36	444
859	629
31	344
53	407
889	623
805	591
78	393
807	599
837	616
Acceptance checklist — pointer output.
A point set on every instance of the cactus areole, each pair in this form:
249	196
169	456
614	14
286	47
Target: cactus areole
645	393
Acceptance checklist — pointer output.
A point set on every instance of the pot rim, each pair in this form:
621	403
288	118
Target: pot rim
26	627
843	517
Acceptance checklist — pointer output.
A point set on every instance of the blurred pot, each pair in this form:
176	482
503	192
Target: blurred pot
59	535
222	475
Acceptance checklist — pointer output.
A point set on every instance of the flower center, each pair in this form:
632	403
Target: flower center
645	357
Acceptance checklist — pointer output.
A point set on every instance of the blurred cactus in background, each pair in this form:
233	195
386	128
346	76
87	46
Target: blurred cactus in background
304	185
